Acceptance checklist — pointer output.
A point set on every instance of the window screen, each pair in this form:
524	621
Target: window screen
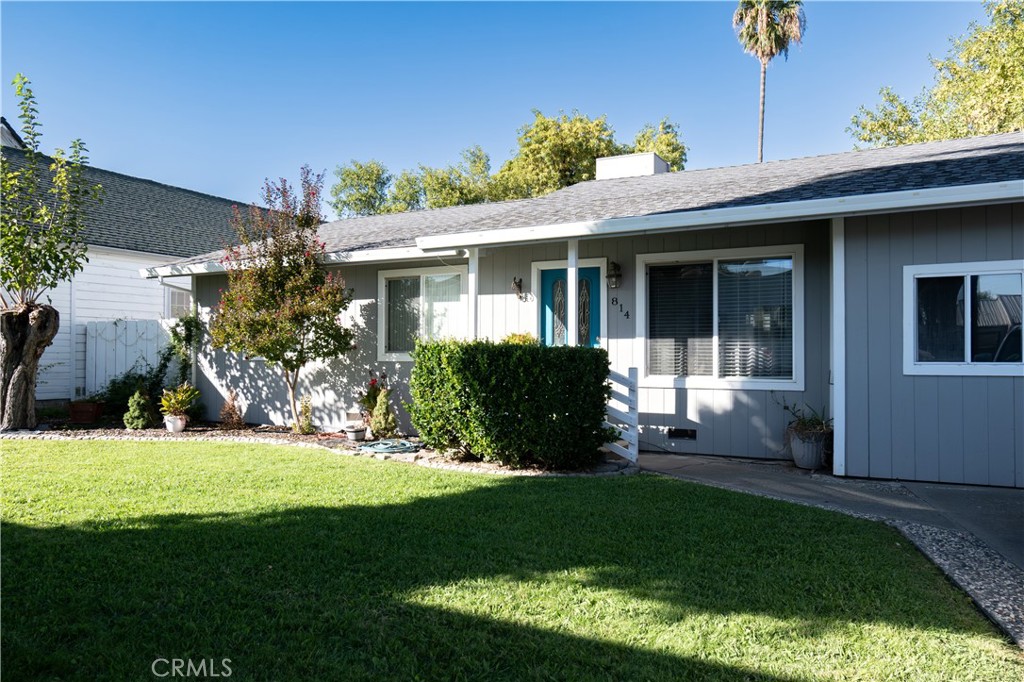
755	318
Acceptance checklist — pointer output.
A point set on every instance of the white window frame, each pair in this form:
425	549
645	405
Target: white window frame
911	366
382	308
169	301
796	383
535	273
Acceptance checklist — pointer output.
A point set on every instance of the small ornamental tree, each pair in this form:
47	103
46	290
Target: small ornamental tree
281	304
42	218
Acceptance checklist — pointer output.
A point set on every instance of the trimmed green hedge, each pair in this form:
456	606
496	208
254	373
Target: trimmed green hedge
517	404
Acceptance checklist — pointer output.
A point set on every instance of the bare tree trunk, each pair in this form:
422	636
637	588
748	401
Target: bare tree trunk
760	122
291	378
25	332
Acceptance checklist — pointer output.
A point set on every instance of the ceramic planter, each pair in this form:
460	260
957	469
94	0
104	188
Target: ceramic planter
355	433
174	423
808	450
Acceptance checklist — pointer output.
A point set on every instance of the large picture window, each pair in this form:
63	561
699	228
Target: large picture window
963	319
419	304
723	319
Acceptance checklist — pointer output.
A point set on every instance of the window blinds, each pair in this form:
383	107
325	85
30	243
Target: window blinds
403	314
755	318
681	330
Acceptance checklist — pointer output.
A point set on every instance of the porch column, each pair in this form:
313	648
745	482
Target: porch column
473	287
572	294
193	286
838	354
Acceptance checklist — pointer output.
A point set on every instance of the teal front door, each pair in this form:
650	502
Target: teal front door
553	307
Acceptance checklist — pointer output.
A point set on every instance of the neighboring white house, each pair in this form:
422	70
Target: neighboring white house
139	224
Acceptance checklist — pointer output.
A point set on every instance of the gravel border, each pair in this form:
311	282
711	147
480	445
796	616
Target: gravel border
994	584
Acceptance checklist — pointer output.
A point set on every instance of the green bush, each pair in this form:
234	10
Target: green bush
305	426
514	403
382	421
150	380
141	414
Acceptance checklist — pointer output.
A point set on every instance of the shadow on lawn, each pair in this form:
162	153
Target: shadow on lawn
323	593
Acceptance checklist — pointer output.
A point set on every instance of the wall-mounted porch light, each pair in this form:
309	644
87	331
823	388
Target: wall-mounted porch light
614	275
517	288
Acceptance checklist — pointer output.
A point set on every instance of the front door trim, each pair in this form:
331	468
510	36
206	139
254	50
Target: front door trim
535	269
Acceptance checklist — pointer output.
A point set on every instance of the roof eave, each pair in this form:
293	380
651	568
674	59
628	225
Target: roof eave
391	255
861	204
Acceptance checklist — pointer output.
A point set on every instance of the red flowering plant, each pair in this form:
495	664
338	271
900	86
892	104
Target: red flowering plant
368	398
281	304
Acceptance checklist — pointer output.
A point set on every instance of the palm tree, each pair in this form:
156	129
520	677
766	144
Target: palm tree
766	28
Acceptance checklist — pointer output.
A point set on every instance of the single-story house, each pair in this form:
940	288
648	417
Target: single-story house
882	285
139	224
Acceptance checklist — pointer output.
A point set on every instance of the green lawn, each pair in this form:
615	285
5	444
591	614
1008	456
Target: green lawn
302	564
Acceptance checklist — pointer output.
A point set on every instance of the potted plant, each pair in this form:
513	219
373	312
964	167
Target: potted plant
355	431
87	410
377	384
809	435
175	404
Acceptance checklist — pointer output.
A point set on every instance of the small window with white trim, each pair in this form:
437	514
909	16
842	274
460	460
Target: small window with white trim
425	303
963	319
179	303
723	319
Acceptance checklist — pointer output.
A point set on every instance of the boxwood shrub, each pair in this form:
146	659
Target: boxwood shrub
514	403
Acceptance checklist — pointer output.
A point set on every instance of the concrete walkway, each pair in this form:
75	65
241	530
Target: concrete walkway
974	534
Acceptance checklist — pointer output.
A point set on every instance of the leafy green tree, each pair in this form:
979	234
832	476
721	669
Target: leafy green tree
405	193
555	152
361	189
467	182
281	304
978	88
664	141
43	216
766	29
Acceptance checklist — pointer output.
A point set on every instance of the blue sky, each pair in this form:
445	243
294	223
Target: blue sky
217	96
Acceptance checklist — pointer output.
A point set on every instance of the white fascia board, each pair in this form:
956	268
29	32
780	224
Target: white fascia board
939	197
395	255
182	270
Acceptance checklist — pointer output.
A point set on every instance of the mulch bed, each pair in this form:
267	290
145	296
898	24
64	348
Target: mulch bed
62	429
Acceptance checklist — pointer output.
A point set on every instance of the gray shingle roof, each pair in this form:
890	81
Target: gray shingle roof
143	215
994	158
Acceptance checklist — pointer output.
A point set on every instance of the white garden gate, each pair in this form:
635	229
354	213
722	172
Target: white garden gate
112	348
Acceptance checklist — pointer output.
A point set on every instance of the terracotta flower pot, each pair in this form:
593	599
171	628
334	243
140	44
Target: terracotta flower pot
85	411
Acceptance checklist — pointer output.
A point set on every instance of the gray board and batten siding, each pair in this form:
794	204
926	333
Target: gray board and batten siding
332	386
747	423
951	429
741	423
734	422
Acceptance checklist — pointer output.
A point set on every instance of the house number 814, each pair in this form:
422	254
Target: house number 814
622	309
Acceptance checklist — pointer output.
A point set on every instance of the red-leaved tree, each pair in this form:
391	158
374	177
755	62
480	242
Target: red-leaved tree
281	303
